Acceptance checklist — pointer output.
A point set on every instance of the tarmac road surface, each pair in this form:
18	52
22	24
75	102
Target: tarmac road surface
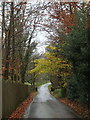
45	105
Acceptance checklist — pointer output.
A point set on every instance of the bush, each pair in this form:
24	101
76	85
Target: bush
57	92
72	88
60	92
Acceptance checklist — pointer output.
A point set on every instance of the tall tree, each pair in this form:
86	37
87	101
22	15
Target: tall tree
19	25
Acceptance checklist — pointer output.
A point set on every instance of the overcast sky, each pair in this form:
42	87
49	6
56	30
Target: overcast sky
41	37
42	41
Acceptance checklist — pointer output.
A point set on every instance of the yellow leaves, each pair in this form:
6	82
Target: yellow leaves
61	50
51	47
41	66
65	84
9	78
52	65
66	66
65	74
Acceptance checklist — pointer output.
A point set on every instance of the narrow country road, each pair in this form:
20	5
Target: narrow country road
46	106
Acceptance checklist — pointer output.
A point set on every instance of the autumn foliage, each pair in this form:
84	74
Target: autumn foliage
18	113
